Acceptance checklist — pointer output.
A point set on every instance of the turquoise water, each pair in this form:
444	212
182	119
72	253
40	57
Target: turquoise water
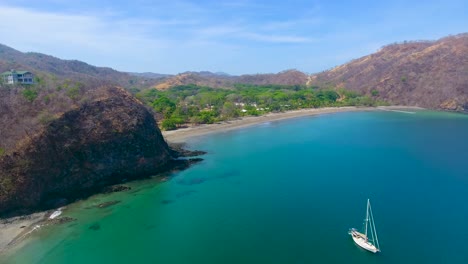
287	192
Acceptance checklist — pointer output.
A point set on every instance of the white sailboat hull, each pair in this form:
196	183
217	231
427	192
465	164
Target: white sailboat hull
362	241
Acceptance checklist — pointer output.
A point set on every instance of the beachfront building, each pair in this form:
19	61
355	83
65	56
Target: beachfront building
17	77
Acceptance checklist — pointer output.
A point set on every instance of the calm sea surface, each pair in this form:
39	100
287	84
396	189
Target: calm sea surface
287	192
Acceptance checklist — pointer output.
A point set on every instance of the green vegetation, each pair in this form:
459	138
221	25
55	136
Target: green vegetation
374	92
205	105
2	151
30	94
38	80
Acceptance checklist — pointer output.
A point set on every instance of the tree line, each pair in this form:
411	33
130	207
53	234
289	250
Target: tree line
192	104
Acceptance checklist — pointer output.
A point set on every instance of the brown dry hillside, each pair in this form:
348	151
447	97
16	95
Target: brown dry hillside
46	66
431	74
289	77
201	79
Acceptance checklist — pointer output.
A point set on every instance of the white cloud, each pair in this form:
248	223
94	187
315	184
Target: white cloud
63	33
215	31
292	24
245	33
277	38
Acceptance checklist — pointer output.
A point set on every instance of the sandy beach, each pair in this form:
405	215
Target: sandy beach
16	229
183	134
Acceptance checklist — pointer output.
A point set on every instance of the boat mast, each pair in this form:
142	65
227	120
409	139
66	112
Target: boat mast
375	230
367	216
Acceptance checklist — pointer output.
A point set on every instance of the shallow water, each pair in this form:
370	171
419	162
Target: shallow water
287	192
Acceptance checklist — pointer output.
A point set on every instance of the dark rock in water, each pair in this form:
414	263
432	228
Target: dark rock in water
98	144
228	174
180	151
185	193
61	220
191	181
116	188
95	226
181	164
167	201
107	204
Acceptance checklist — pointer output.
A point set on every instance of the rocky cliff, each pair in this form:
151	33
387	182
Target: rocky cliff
431	74
100	143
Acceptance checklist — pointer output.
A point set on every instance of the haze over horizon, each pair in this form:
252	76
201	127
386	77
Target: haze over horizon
236	37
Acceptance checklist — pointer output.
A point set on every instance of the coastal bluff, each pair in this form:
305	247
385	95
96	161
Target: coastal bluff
428	74
102	142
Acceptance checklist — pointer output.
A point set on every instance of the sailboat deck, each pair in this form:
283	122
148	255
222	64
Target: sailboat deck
359	234
362	239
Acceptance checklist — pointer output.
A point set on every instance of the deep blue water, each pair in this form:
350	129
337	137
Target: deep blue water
287	192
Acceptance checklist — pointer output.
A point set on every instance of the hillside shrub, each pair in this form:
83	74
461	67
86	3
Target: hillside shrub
29	94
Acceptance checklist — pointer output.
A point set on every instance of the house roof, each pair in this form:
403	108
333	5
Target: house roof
16	72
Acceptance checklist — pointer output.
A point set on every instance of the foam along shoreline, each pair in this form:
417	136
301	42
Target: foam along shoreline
183	134
15	230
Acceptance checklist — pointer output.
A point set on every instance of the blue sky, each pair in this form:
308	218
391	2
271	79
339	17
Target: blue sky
236	37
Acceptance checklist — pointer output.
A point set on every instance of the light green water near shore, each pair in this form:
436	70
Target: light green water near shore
287	192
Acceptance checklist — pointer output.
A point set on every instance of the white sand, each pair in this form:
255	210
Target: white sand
181	135
14	230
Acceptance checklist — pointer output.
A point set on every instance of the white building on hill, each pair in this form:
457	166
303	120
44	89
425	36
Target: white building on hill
17	77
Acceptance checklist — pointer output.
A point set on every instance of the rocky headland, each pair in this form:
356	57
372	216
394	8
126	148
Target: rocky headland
110	139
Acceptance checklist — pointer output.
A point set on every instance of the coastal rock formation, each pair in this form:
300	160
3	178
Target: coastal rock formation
98	144
430	74
116	188
107	204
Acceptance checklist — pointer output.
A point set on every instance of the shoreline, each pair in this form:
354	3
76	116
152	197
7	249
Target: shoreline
183	134
15	230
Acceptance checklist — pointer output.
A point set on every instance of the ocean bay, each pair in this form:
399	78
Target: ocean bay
287	192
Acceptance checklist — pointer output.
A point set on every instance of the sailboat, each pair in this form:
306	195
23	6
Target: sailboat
371	244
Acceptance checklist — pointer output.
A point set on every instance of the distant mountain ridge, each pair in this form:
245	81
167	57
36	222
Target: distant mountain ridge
65	69
430	74
216	80
150	75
